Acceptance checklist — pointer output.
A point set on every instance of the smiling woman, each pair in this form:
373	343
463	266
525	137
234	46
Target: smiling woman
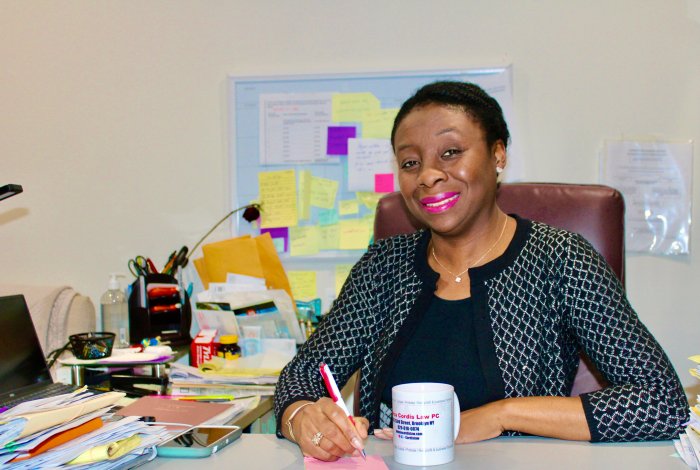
493	304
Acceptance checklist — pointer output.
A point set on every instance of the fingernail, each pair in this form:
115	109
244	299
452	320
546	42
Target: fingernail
356	443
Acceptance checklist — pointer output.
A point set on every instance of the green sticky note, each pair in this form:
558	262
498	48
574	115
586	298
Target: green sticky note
328	217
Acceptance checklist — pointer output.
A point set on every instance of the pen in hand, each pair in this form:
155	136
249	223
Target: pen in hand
332	388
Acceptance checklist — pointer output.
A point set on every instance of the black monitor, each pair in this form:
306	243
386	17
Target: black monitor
22	360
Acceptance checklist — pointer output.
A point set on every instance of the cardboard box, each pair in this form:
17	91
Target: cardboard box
203	347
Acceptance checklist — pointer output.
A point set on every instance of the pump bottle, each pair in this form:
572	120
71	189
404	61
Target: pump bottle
115	312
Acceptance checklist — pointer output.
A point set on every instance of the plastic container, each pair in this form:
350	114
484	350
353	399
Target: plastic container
115	312
92	345
228	347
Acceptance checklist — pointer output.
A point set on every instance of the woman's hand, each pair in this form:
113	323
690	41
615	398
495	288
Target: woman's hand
559	417
339	436
386	434
479	424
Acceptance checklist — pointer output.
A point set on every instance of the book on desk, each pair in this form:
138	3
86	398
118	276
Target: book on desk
185	412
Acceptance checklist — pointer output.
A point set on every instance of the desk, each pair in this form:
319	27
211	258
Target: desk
264	451
249	417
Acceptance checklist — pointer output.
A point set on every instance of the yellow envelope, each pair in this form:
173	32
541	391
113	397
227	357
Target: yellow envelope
255	257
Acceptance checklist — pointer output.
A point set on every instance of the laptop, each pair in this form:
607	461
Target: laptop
24	374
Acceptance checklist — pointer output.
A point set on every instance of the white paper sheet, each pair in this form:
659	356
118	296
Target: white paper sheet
655	180
366	158
294	128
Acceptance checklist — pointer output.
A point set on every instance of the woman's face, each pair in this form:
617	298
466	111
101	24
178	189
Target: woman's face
447	172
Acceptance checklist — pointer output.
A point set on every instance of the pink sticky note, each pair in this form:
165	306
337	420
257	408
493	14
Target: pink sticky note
384	183
338	139
373	462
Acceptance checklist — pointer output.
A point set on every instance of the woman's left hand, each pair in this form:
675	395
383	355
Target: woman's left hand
479	424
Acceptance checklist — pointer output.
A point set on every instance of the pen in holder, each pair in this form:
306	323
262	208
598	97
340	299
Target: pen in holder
159	307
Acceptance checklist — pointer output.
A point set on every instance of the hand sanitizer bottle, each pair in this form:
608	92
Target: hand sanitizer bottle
115	312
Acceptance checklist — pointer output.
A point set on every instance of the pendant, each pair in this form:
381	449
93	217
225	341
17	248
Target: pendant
458	279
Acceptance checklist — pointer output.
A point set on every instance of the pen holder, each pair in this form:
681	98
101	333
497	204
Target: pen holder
159	307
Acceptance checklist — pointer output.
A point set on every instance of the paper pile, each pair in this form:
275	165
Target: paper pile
688	443
244	377
75	430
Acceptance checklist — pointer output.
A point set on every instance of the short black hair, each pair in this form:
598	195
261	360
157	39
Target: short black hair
468	97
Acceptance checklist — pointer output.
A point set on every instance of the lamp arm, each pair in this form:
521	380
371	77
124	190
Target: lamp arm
217	225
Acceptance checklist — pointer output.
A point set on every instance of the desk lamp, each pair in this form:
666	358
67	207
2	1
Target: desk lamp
9	190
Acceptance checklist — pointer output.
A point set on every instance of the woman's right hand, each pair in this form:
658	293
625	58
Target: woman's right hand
339	436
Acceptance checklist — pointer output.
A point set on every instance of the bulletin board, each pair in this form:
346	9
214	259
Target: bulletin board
314	151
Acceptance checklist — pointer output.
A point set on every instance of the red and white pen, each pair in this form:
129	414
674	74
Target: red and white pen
332	388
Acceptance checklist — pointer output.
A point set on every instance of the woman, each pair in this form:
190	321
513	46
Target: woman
494	304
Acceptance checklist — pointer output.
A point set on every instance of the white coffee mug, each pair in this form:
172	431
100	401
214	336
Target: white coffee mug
426	423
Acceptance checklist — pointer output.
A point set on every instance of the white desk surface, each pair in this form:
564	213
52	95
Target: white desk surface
264	451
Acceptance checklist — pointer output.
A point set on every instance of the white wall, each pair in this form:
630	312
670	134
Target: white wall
113	113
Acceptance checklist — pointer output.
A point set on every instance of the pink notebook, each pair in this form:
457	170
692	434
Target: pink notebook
174	411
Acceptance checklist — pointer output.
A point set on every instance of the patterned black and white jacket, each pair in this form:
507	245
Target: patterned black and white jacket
549	295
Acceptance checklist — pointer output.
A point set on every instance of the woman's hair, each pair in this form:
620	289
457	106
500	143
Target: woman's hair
468	97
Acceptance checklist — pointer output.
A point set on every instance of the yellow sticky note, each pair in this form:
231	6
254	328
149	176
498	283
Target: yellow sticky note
369	200
377	123
278	196
369	220
323	192
304	202
329	237
348	207
303	241
342	271
303	284
351	107
354	234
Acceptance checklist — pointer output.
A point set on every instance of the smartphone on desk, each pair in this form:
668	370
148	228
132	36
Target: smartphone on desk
199	441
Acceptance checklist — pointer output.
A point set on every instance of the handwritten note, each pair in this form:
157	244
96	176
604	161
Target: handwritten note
329	237
377	123
342	271
323	192
369	200
373	462
304	202
303	241
348	207
366	158
354	234
278	196
352	107
303	284
338	139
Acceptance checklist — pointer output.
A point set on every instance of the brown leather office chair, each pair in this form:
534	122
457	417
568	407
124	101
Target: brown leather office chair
594	211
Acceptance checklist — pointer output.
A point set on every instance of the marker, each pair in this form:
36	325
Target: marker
332	388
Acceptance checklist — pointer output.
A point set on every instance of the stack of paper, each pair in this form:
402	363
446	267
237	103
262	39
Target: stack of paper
244	377
688	443
73	429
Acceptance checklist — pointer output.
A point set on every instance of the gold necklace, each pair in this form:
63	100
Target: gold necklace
458	277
